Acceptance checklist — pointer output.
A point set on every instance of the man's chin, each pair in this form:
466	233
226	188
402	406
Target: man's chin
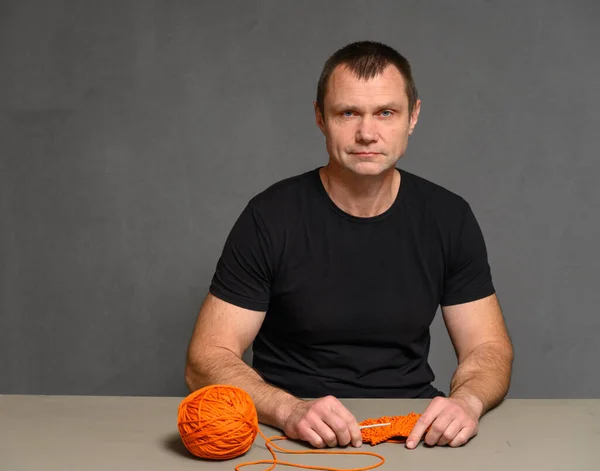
372	169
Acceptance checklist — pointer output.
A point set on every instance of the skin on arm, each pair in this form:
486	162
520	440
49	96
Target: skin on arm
221	335
481	380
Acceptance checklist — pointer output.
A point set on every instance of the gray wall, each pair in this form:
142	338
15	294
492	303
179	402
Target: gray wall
132	134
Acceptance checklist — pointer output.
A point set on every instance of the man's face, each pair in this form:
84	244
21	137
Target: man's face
366	122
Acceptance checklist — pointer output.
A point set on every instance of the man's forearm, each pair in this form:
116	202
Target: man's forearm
221	366
483	377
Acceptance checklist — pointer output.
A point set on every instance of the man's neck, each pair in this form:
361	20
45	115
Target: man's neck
361	196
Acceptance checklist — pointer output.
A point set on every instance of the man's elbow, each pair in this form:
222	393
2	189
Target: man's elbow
501	356
493	355
195	377
504	353
507	352
510	352
203	366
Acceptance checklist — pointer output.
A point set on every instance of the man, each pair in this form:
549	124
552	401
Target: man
335	276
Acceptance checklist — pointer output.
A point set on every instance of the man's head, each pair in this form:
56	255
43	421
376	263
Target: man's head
367	106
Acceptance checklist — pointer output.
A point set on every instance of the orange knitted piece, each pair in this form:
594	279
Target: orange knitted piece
397	432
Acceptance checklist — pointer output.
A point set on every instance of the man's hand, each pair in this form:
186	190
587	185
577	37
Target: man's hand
322	422
451	421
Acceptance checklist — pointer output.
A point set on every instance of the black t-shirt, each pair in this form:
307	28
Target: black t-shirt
350	300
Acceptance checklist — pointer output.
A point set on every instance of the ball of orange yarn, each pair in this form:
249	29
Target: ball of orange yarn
218	422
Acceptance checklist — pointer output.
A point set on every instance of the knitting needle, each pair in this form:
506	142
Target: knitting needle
373	425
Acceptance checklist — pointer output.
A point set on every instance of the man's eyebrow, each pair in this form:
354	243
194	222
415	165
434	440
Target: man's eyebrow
392	105
342	106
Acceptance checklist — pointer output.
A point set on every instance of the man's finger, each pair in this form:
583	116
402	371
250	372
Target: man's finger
426	419
461	438
450	433
438	428
312	437
348	417
338	425
325	432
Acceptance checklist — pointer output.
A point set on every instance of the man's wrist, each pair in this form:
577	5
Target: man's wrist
283	410
471	401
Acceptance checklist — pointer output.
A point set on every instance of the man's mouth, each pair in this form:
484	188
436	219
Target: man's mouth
366	154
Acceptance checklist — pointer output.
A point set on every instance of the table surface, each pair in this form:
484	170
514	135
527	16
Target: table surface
60	433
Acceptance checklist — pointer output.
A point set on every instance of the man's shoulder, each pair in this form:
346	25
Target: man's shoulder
433	198
285	192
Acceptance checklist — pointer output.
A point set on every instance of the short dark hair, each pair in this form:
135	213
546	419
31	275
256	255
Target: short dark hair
367	59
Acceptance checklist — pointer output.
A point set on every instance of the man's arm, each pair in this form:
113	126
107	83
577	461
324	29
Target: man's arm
221	335
481	380
484	352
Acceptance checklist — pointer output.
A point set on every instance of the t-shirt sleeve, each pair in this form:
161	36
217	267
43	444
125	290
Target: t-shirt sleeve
469	276
244	270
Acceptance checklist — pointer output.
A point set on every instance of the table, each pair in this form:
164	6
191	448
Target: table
62	433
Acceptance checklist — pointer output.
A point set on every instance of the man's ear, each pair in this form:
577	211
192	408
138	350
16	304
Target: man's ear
319	119
414	117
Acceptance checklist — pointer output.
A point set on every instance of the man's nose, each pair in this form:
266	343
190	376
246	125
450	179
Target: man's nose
367	130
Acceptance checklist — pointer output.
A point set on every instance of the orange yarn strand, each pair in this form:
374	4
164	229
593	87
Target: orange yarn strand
276	461
220	422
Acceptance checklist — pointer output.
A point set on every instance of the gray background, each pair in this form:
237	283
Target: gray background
132	133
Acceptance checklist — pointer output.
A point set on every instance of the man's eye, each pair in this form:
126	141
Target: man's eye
347	113
386	113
